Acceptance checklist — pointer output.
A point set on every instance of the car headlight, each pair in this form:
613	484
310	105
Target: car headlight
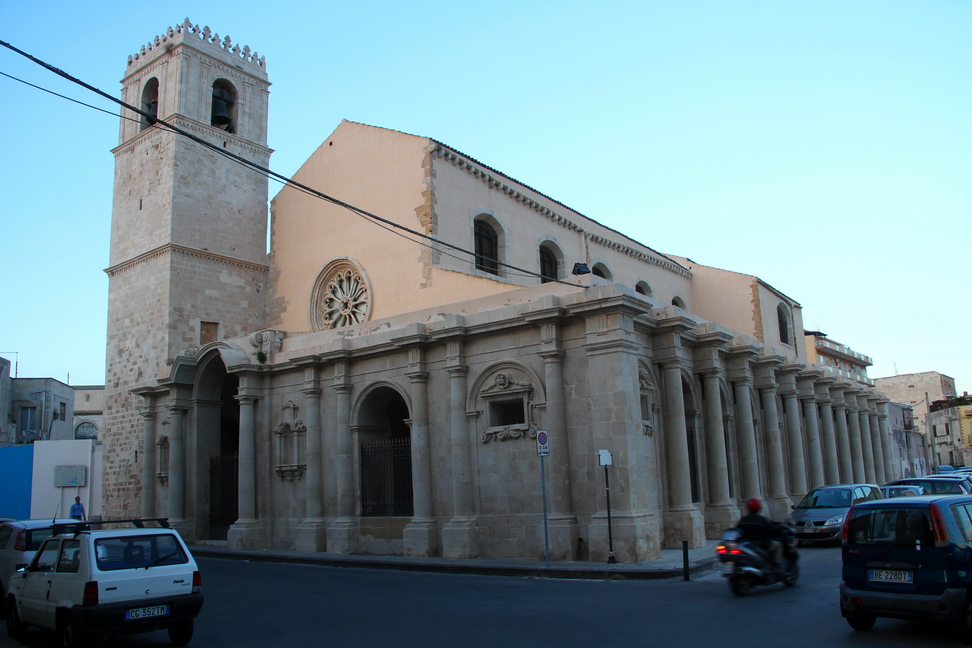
837	519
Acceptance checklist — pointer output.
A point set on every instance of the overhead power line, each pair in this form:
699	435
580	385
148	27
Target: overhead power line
154	121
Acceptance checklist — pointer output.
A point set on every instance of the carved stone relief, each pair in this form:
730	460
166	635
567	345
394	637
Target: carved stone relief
289	435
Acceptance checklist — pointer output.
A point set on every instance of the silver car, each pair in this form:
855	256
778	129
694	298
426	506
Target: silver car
820	515
19	540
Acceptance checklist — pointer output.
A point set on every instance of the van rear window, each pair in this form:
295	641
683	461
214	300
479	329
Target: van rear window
132	552
889	527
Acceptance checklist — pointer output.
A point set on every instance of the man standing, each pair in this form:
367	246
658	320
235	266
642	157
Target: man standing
77	510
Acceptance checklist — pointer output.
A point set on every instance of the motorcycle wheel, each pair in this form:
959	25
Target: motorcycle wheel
792	575
740	585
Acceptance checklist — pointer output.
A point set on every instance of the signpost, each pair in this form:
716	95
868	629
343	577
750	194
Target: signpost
605	459
543	451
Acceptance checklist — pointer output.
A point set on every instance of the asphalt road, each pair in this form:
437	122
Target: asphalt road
264	604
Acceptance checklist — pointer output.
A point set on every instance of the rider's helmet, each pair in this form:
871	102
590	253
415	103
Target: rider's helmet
753	505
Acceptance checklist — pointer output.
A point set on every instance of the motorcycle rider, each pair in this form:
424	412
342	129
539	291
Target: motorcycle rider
764	531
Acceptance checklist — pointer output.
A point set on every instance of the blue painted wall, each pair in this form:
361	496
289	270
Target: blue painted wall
16	473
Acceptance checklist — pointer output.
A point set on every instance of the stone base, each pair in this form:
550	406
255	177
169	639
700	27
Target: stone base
685	524
342	537
635	538
563	535
247	534
720	518
459	539
778	508
311	536
421	538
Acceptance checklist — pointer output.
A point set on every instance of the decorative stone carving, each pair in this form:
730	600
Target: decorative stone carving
508	404
265	343
290	434
342	296
649	405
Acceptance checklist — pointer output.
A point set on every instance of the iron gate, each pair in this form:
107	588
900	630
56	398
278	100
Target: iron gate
224	506
386	478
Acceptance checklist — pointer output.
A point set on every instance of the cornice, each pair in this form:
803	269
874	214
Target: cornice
492	179
171	248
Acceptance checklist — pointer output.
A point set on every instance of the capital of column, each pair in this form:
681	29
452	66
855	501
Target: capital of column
246	398
458	370
417	376
148	414
554	355
311	392
472	415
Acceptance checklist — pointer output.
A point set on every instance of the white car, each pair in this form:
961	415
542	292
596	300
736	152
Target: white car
19	539
84	583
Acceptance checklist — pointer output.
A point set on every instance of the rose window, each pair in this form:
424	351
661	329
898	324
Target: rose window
342	296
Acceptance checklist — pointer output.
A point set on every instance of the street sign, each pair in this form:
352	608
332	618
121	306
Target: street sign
604	458
543	450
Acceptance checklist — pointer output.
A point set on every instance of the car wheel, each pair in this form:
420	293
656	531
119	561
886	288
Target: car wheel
740	585
16	628
70	638
861	620
180	632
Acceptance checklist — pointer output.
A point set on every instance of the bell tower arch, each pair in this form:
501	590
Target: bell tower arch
188	258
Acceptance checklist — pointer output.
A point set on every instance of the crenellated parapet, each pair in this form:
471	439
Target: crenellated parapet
203	35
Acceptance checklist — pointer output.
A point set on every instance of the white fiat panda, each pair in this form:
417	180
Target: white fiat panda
84	583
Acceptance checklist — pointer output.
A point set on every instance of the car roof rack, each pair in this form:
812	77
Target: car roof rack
79	527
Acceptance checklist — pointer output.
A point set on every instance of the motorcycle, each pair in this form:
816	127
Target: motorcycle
747	564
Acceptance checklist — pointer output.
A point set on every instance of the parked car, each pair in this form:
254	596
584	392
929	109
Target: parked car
908	558
19	539
92	583
940	484
902	491
944	470
820	515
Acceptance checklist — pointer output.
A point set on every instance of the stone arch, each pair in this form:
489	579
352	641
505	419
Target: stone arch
150	101
548	246
505	396
481	260
642	288
380	426
678	301
602	270
223	106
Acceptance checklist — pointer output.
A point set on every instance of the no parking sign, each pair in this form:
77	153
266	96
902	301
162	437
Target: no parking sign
543	450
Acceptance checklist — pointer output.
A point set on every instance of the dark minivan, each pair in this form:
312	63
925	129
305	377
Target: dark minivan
908	558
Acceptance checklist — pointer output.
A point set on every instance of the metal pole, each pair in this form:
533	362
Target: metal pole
607	487
546	534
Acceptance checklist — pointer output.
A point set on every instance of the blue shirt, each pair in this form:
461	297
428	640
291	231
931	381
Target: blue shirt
77	510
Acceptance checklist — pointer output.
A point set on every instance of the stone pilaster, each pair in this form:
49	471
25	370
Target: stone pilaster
828	434
854	434
342	534
247	531
312	533
877	443
177	463
867	448
148	460
741	354
891	471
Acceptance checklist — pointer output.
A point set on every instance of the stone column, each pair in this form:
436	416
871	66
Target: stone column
421	534
811	422
854	436
342	534
746	432
459	534
794	438
777	500
840	432
720	513
177	465
148	460
312	533
828	436
891	471
867	449
247	466
876	442
562	522
681	512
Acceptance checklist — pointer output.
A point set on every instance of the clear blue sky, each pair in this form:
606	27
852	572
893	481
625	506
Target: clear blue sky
825	147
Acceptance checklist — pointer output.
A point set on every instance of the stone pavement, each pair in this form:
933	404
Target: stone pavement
668	565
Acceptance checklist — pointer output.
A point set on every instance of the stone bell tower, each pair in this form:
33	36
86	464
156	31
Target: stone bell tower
188	259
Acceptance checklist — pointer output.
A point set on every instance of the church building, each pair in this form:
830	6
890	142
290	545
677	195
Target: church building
376	383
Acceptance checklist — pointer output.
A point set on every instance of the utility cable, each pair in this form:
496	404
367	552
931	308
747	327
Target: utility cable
154	121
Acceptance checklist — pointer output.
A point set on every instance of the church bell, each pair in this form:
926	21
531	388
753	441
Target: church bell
220	113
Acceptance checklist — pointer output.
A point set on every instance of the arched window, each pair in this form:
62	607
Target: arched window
783	317
223	112
487	247
150	101
678	301
643	288
548	265
602	271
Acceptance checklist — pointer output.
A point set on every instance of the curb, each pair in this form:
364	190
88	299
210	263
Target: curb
573	570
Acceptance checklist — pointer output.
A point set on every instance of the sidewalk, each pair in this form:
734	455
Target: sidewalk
668	565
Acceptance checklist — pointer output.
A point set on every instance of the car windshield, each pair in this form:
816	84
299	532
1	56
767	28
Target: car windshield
827	498
132	552
889	527
36	537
